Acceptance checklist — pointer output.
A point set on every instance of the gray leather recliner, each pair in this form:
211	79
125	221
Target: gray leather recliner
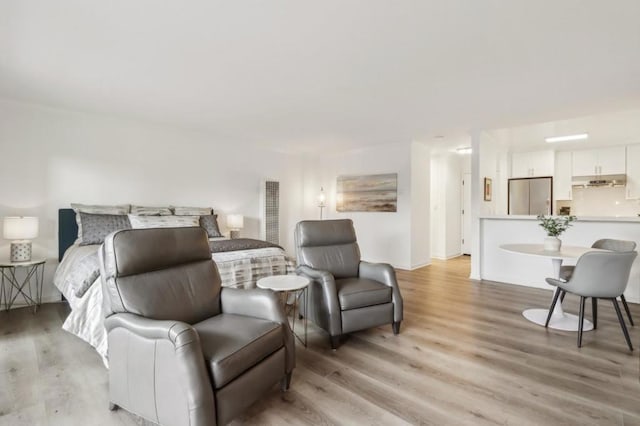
183	350
346	293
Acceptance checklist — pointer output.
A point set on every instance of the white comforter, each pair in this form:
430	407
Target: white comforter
237	269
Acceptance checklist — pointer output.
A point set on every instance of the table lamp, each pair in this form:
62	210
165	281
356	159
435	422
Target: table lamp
321	201
20	229
235	222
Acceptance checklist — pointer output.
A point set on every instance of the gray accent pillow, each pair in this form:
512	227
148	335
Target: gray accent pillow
92	208
95	227
210	224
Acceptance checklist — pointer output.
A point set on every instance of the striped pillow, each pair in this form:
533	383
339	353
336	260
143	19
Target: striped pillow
151	211
192	211
144	222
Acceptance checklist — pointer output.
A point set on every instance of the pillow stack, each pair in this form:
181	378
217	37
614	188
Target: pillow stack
95	222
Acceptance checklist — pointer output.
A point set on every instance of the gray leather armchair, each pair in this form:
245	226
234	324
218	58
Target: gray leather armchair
346	293
599	275
183	350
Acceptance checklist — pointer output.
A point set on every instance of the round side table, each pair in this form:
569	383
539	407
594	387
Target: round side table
287	284
34	270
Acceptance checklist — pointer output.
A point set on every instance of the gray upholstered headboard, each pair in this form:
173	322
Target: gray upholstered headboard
67	230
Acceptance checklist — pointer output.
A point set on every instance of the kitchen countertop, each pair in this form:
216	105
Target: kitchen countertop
580	218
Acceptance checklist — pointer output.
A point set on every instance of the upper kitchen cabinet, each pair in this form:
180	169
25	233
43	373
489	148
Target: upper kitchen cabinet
562	176
633	172
597	162
532	164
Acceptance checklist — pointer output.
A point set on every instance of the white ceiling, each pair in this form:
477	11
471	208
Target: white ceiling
608	129
306	75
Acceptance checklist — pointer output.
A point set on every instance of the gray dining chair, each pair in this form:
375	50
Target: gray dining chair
604	244
599	275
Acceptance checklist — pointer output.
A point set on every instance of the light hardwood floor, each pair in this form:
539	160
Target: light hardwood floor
465	355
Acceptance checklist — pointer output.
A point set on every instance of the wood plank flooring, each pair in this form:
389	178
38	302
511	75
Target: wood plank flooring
465	355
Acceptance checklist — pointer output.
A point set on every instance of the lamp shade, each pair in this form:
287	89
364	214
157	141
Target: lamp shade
20	228
235	221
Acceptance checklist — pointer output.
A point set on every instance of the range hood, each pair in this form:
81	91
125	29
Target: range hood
601	180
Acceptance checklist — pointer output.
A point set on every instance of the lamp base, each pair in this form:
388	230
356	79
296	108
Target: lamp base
234	234
21	252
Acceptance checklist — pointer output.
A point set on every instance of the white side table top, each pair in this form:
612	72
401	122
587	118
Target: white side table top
283	282
6	263
565	252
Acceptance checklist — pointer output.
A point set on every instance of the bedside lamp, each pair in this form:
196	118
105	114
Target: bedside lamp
20	230
235	222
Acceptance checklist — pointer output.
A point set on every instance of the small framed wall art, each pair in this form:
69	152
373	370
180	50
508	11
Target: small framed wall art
488	189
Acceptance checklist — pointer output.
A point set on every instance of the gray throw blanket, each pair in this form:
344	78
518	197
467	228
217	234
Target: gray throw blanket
239	244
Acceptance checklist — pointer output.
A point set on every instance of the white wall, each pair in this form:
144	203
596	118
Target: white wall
51	158
383	237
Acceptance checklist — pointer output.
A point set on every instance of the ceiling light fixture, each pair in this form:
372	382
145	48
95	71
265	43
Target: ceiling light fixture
567	138
464	150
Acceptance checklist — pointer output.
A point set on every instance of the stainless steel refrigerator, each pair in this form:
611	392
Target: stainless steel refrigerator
530	196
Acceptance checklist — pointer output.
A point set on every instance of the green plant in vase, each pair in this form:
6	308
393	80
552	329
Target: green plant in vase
554	226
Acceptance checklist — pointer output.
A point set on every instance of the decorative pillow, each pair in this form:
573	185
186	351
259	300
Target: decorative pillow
210	223
192	211
151	211
144	222
120	209
95	227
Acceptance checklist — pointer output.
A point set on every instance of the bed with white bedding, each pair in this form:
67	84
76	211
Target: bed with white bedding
240	263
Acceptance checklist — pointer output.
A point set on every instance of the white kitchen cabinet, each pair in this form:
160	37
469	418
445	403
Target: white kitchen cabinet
532	164
562	176
633	172
597	162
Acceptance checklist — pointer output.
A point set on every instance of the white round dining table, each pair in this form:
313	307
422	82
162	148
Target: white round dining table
560	320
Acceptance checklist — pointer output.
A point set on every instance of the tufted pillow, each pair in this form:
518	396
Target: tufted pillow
210	223
95	227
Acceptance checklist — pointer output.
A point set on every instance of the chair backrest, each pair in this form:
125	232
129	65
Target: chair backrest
330	245
161	273
614	245
602	274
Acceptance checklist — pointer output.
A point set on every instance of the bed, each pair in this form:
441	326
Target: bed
240	262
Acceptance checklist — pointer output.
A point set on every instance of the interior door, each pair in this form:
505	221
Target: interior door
466	213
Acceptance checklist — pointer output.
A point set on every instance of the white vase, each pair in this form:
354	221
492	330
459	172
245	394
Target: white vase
552	244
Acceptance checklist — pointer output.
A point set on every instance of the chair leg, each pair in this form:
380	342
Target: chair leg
553	305
562	295
594	311
286	381
396	327
626	308
581	321
335	342
622	324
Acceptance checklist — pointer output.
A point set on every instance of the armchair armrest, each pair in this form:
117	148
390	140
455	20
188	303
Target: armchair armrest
385	274
187	359
327	284
263	304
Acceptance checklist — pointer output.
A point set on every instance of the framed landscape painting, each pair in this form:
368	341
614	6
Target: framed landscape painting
367	193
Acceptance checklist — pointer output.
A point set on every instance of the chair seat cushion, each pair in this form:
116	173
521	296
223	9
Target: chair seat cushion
232	344
356	293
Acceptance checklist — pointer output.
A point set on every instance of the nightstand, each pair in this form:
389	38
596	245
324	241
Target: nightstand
10	283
